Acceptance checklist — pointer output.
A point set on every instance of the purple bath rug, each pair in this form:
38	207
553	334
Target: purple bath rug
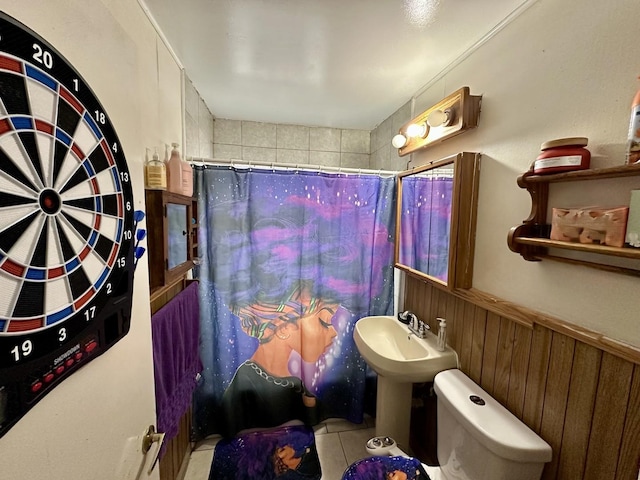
284	453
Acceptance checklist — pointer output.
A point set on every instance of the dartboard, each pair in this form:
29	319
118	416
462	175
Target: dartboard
66	222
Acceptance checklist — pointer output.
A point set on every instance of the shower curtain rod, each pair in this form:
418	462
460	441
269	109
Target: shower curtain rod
292	166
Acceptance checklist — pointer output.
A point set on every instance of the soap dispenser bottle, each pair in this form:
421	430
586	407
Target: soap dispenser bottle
174	171
187	179
155	173
442	334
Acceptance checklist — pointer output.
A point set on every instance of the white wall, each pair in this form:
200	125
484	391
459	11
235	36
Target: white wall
79	430
561	69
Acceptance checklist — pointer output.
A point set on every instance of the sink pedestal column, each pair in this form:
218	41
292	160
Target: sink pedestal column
393	411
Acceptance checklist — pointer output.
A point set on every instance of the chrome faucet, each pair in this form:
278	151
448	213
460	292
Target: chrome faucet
416	326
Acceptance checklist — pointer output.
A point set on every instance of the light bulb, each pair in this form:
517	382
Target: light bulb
438	118
417	130
399	141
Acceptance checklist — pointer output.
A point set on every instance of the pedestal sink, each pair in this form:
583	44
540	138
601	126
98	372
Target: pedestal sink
400	358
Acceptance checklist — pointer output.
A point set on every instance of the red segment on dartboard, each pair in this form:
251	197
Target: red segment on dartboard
84	299
10	64
44	127
114	253
24	325
64	93
85	251
5	126
76	149
55	272
107	152
13	268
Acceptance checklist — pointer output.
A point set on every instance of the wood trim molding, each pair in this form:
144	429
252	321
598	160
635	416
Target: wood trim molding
528	318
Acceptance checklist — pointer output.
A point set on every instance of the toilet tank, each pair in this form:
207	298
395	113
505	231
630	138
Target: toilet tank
479	439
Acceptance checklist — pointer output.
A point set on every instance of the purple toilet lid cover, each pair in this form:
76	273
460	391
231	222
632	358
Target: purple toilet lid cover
386	468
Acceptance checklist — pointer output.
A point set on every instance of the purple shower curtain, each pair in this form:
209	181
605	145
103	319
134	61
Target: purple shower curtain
290	260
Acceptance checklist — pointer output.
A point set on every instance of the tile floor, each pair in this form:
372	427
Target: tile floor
339	444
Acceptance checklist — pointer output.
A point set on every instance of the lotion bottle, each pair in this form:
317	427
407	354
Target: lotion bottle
442	334
155	172
187	179
174	171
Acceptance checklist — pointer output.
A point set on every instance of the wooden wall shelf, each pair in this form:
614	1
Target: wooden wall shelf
530	239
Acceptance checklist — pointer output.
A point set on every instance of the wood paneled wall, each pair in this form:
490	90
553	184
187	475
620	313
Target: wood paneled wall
178	449
582	399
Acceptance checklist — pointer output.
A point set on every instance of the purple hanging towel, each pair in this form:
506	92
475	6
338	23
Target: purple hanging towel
175	331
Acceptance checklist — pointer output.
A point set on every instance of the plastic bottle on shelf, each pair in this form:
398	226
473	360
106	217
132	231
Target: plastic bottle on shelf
174	171
633	138
187	179
155	172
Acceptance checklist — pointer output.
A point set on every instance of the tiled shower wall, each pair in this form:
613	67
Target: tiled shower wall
295	144
383	155
199	124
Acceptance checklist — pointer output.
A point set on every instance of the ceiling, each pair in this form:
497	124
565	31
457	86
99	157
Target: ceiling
332	63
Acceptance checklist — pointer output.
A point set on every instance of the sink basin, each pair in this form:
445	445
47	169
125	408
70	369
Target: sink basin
393	351
400	359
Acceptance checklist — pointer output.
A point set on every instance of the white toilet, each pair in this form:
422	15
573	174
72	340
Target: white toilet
479	439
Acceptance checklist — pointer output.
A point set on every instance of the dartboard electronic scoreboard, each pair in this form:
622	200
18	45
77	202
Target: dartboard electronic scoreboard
66	223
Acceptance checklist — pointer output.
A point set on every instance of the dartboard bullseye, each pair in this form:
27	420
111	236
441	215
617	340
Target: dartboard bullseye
66	223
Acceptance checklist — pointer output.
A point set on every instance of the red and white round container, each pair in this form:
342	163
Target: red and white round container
563	155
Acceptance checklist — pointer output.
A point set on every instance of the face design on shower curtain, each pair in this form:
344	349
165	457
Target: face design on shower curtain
300	324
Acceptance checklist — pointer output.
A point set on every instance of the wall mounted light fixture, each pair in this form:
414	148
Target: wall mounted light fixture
451	116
